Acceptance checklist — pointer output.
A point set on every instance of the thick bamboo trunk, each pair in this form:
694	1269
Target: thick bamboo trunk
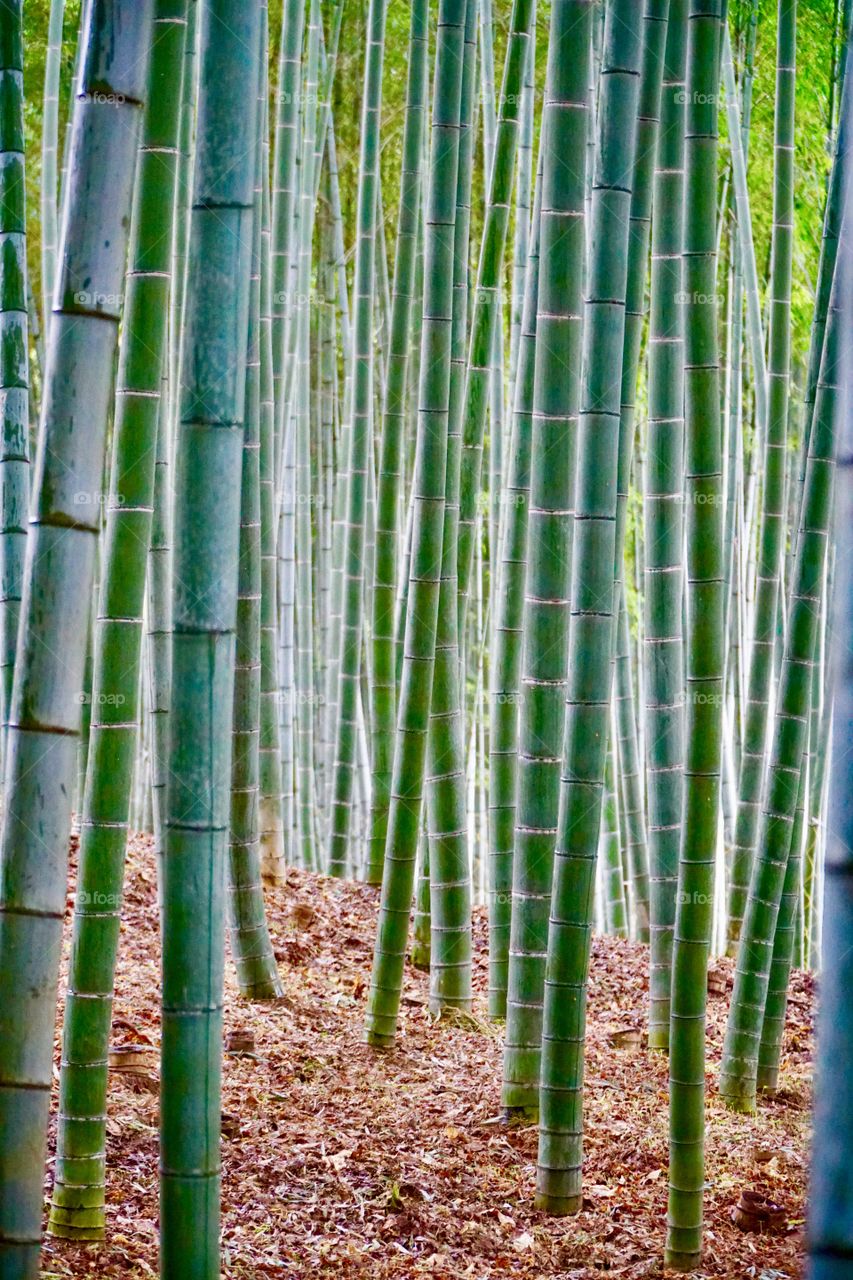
78	1201
45	712
207	528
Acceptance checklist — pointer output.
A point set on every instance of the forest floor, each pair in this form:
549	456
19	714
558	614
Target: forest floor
338	1161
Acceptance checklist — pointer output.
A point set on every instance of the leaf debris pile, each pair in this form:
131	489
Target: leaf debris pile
340	1161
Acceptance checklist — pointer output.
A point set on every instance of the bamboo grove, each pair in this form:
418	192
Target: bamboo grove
437	494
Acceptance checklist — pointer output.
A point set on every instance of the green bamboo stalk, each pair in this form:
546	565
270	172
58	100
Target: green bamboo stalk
704	662
45	713
735	444
830	1239
49	147
159	584
326	392
486	312
449	866
509	592
207	520
616	914
593	596
88	675
745	239
772	527
743	1031
549	540
305	691
485	32
286	592
815	831
390	477
776	1004
428	497
286	149
339	505
257	973
524	175
663	641
422	928
826	266
271	821
360	434
655	14
79	50
14	371
78	1200
158	615
496	377
636	848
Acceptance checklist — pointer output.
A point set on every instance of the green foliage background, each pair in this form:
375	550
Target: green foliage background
817	23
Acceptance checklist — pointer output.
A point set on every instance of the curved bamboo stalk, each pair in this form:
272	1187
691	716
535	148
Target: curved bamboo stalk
485	315
776	1004
743	1031
428	497
745	240
772	525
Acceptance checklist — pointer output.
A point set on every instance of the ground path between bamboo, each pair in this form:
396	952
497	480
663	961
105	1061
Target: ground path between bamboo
341	1162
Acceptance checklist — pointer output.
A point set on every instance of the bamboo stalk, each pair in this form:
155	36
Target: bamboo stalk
45	713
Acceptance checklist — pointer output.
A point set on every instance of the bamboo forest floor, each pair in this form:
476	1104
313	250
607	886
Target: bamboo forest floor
341	1162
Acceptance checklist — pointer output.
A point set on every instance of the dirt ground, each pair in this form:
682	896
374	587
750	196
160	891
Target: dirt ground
338	1161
